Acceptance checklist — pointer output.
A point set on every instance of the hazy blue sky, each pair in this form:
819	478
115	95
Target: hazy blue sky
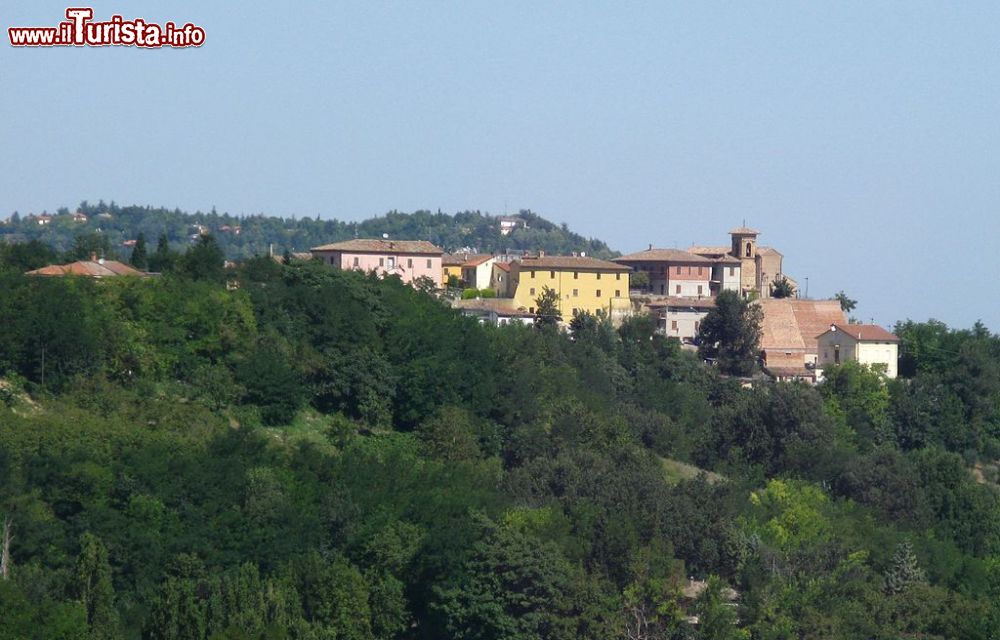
862	139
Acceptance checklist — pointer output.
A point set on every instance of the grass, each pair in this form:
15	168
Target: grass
675	471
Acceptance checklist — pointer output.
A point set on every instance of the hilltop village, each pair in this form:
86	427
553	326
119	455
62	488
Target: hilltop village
677	287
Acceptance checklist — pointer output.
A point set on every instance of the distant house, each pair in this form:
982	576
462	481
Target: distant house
788	335
42	219
509	223
78	217
408	259
93	268
580	282
867	344
477	271
500	279
680	317
495	311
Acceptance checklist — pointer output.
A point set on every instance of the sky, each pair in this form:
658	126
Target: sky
862	139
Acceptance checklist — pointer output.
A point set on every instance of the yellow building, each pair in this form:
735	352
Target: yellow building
582	283
451	265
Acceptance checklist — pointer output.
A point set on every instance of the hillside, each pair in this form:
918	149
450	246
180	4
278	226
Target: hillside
246	236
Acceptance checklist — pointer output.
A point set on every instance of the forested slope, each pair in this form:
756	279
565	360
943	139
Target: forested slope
321	454
108	226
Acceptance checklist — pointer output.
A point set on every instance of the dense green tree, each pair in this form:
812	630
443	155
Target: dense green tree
730	334
846	304
139	259
93	583
781	287
164	258
203	261
547	312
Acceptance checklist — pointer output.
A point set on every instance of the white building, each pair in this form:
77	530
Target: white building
681	317
866	344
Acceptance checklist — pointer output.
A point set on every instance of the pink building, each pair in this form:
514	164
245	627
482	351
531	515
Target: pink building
408	259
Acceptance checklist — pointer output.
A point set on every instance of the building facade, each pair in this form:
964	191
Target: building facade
866	344
581	283
408	259
672	272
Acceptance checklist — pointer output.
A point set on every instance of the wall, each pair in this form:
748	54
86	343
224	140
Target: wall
688	322
574	293
409	267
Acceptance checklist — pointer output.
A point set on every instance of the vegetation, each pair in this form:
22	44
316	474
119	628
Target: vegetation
108	226
290	451
730	334
781	287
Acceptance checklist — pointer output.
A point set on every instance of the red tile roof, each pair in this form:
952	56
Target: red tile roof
663	255
90	268
792	325
744	231
864	332
477	259
504	266
570	263
382	246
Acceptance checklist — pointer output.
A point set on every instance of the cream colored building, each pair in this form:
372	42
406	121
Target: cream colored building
866	344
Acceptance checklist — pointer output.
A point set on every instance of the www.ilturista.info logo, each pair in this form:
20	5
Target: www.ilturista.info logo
80	31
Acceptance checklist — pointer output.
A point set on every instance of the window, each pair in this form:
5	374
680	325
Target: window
428	263
356	261
409	263
673	325
532	291
598	293
699	271
618	293
699	289
662	289
392	262
618	276
575	311
576	292
749	249
331	259
381	262
836	354
598	276
576	275
678	290
732	271
552	274
678	270
531	309
532	274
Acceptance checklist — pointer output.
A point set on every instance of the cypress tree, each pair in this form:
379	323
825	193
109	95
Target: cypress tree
139	258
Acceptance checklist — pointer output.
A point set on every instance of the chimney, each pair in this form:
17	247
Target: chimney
650	246
541	253
93	257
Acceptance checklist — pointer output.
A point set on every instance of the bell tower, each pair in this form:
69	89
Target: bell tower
744	247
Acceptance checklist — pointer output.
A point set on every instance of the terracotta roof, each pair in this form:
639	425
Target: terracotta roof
769	251
663	255
477	259
864	332
792	325
382	246
501	306
792	371
744	231
90	268
674	301
709	251
503	266
452	260
569	263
